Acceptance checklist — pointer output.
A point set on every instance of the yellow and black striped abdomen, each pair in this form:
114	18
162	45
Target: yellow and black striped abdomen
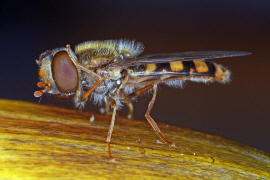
186	70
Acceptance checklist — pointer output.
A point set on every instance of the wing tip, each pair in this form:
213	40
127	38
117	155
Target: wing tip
243	53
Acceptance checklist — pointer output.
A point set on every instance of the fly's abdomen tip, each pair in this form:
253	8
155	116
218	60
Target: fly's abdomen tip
222	74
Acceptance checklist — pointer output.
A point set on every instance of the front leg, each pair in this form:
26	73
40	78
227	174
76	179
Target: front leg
87	93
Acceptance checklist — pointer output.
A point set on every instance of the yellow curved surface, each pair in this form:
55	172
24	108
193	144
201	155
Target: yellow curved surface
46	142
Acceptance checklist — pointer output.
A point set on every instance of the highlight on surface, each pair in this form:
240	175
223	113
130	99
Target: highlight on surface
46	142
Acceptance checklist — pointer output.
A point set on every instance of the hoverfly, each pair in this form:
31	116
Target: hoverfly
112	73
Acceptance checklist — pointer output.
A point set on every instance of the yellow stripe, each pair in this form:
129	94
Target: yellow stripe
201	66
177	66
150	68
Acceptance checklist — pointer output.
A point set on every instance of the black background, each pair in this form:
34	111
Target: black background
238	110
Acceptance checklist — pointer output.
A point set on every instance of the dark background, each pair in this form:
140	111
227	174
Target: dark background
238	110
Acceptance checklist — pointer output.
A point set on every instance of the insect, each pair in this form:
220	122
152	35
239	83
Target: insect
111	73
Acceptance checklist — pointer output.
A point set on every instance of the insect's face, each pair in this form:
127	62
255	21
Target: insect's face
57	72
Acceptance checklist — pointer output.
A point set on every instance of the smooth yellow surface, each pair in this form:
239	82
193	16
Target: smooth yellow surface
177	66
150	68
201	66
45	142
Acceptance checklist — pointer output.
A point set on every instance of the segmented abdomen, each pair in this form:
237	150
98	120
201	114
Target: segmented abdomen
194	70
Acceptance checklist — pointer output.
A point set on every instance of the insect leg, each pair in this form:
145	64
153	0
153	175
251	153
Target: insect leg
87	93
114	107
151	120
130	107
126	99
140	91
132	95
107	109
109	136
100	79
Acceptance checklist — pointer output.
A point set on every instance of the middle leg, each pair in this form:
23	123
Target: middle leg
109	136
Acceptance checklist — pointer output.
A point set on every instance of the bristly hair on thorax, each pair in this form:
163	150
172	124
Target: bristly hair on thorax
126	48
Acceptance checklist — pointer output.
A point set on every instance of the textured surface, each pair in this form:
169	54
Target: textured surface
45	142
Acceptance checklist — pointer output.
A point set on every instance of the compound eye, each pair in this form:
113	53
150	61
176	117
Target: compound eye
64	72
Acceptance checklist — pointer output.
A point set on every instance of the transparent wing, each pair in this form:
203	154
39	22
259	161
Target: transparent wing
181	56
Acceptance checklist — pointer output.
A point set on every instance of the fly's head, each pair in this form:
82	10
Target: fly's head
58	73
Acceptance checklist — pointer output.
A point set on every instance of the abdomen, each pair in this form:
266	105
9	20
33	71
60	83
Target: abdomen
195	70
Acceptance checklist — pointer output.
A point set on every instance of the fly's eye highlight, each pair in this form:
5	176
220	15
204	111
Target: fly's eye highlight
64	72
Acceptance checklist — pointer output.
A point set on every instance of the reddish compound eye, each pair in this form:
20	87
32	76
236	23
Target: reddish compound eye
64	72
